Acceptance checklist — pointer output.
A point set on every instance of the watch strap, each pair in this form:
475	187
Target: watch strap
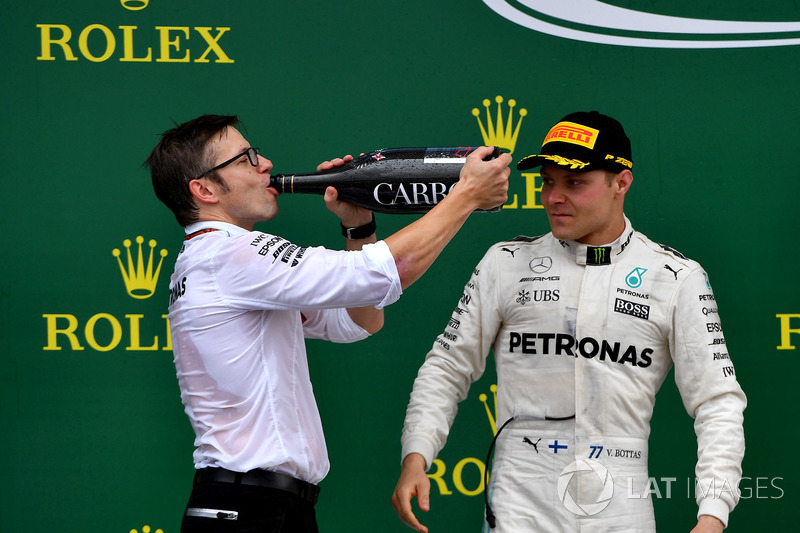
360	232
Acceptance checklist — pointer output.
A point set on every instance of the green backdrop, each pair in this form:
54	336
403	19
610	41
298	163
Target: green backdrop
92	432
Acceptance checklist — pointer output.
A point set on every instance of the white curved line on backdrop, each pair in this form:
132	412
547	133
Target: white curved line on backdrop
595	13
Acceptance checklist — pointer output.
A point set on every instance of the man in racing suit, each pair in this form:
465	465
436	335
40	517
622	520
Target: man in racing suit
585	323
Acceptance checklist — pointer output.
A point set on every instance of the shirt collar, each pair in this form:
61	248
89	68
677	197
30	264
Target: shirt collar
229	229
585	254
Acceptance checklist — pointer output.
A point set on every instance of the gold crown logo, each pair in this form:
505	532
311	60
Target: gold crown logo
140	281
492	416
146	529
500	135
134	5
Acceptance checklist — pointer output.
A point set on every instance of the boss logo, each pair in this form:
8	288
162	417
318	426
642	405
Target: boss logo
632	309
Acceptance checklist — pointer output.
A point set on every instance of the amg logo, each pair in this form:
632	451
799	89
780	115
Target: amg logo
632	309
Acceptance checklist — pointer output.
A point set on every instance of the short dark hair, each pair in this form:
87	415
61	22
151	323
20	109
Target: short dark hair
180	156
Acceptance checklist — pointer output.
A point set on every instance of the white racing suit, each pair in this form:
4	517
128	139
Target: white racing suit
583	338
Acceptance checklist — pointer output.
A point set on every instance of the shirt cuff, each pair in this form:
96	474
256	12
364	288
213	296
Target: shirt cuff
714	507
421	446
379	259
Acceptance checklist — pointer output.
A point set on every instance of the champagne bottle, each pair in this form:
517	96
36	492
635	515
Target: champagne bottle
392	180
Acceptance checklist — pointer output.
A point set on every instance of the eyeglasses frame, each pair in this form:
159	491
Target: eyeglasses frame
252	156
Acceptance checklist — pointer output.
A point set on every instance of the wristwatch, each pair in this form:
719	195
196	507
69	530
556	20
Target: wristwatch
361	232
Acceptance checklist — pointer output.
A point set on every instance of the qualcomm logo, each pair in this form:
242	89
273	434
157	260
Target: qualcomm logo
560	18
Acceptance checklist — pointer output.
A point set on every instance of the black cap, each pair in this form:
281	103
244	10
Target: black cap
584	141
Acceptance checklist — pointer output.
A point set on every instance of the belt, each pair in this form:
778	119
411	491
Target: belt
260	478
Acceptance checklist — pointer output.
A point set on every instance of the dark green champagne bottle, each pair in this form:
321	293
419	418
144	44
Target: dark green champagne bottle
392	180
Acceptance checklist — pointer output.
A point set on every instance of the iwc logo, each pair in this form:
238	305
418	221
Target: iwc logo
586	469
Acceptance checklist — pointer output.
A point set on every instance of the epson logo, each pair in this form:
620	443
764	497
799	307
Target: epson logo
632	309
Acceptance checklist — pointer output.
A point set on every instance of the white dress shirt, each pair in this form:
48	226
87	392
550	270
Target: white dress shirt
241	303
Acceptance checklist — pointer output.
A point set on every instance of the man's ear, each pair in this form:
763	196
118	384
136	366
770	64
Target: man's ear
204	191
623	181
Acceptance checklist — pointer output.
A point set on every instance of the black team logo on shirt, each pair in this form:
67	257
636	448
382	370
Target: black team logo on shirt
598	255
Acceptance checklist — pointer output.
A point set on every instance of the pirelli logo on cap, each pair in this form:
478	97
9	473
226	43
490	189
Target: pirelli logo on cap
570	132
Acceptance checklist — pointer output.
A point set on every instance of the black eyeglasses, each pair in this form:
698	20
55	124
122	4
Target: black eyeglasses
252	156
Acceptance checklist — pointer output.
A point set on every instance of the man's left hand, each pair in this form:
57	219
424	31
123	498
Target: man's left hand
352	216
708	524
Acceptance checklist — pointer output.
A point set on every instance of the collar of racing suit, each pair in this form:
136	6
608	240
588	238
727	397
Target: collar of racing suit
600	255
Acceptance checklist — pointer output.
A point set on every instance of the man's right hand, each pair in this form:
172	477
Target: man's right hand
485	181
482	185
413	482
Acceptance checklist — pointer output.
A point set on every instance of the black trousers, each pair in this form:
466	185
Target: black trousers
256	510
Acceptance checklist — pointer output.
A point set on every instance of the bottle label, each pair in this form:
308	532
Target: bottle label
447	155
412	194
